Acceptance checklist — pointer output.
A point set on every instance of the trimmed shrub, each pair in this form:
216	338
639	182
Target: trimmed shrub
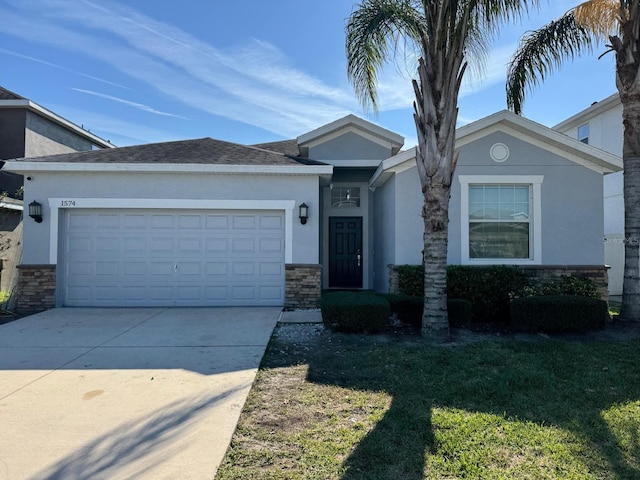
568	285
355	312
558	313
489	289
411	280
407	308
459	312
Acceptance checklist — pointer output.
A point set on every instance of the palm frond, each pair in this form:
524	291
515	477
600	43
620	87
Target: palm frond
601	17
542	51
372	33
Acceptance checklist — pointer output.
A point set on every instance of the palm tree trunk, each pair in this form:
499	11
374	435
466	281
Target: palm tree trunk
435	212
631	162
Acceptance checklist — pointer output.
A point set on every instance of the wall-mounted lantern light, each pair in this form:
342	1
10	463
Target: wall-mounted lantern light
35	211
304	213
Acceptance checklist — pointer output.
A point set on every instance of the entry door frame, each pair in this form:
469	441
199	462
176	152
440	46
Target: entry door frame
358	250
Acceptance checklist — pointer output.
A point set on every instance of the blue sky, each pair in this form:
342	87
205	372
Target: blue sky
244	71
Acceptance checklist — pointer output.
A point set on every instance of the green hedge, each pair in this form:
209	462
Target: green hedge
568	285
411	280
558	313
355	312
459	311
409	309
489	289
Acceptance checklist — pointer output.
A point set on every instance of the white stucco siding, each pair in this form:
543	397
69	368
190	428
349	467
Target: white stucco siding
605	130
171	191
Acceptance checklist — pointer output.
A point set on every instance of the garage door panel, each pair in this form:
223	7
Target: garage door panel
107	221
271	222
244	222
243	245
217	222
162	221
134	221
188	258
78	245
107	269
270	293
270	269
134	245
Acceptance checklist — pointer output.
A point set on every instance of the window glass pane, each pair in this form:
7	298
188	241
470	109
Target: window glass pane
499	240
507	211
476	194
476	211
492	193
345	197
491	211
521	193
583	133
521	211
506	193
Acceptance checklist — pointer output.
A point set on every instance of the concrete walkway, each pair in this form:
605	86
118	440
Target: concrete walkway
125	393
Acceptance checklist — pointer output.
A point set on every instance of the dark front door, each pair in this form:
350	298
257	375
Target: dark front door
345	252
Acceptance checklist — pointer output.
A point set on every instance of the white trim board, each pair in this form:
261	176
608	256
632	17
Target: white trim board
30	166
57	204
536	205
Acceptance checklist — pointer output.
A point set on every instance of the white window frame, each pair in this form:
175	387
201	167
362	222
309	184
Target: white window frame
535	217
581	136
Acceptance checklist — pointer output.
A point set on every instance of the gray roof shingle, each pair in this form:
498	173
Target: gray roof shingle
9	95
201	151
287	147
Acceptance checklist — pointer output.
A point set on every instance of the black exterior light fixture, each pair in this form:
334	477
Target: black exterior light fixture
35	211
304	213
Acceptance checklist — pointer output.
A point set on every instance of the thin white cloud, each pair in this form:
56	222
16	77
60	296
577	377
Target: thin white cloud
253	83
137	105
118	131
60	67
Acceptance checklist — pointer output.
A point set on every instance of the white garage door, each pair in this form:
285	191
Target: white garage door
173	257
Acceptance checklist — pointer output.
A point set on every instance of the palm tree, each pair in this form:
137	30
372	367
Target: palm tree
446	34
578	31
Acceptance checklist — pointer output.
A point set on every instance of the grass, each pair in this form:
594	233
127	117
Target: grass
337	406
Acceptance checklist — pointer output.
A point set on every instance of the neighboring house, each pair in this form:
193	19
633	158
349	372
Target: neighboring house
29	130
600	126
207	222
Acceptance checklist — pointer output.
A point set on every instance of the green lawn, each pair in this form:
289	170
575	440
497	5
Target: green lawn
334	406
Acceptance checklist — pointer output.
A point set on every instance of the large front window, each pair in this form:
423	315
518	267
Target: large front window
499	221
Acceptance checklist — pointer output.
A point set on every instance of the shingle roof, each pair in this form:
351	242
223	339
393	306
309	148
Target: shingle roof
201	151
9	95
287	147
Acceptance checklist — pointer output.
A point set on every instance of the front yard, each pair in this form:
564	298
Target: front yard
337	406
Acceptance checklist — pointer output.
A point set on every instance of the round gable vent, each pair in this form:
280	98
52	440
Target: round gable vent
499	152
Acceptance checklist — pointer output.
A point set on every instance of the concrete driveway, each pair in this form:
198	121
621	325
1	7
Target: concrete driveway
125	393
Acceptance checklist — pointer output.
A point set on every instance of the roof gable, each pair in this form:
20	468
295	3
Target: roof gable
354	124
518	127
595	109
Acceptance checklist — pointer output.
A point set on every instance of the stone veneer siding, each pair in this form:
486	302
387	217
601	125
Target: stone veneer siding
302	285
35	289
538	274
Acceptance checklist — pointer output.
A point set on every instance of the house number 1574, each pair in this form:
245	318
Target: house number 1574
68	203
